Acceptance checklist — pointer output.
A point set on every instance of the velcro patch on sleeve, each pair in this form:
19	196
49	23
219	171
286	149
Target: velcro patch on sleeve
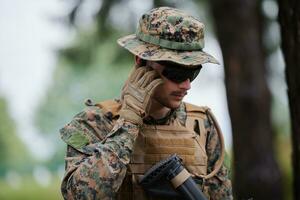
77	140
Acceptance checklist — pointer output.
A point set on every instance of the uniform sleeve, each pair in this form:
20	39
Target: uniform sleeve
97	158
218	187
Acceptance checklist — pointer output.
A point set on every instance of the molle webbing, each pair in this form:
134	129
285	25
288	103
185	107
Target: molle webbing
156	142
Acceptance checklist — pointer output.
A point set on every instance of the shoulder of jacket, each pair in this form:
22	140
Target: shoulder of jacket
78	133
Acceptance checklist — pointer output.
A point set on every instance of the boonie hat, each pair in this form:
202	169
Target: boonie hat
168	34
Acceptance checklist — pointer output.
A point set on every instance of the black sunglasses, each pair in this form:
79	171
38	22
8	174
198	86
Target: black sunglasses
177	73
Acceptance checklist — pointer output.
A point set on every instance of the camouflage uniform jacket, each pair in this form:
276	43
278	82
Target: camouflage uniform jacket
98	152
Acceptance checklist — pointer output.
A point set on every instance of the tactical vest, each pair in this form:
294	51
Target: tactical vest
157	142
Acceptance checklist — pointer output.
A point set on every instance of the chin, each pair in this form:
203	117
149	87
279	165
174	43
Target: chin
173	104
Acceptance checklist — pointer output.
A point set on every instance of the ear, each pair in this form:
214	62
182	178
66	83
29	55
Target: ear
138	61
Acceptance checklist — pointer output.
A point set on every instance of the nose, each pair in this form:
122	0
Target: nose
186	85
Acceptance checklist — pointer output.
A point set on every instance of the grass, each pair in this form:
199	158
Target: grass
283	151
30	189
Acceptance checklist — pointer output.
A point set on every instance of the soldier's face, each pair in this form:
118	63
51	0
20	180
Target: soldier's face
170	93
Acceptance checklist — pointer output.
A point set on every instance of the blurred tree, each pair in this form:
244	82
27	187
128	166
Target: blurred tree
159	3
289	18
103	25
73	85
80	52
239	29
12	151
73	13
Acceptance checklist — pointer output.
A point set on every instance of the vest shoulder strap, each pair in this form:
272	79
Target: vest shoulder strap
111	105
193	108
195	111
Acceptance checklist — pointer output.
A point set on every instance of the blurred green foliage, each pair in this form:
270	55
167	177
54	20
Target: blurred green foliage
73	82
30	189
12	151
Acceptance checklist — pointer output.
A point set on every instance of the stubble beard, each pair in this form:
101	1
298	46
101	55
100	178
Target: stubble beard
167	102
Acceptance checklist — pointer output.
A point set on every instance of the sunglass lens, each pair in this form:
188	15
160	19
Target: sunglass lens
179	75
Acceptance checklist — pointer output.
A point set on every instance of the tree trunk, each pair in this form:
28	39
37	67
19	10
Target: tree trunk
159	3
239	29
289	18
102	18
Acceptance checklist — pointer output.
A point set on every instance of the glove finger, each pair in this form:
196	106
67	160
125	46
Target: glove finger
139	74
142	79
149	77
139	80
150	88
133	74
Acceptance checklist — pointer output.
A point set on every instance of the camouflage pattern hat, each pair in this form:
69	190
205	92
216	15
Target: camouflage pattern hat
168	34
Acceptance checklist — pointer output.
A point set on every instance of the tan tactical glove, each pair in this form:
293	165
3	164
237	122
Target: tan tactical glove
137	94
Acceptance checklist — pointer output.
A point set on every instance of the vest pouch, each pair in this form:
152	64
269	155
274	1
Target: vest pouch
156	143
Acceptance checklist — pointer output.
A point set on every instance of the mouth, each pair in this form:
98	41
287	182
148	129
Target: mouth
179	95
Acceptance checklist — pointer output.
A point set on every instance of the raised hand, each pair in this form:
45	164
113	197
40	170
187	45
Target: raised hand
137	93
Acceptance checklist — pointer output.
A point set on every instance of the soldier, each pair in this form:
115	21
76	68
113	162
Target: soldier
111	144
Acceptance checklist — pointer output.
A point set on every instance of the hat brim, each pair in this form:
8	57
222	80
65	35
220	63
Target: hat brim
153	52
